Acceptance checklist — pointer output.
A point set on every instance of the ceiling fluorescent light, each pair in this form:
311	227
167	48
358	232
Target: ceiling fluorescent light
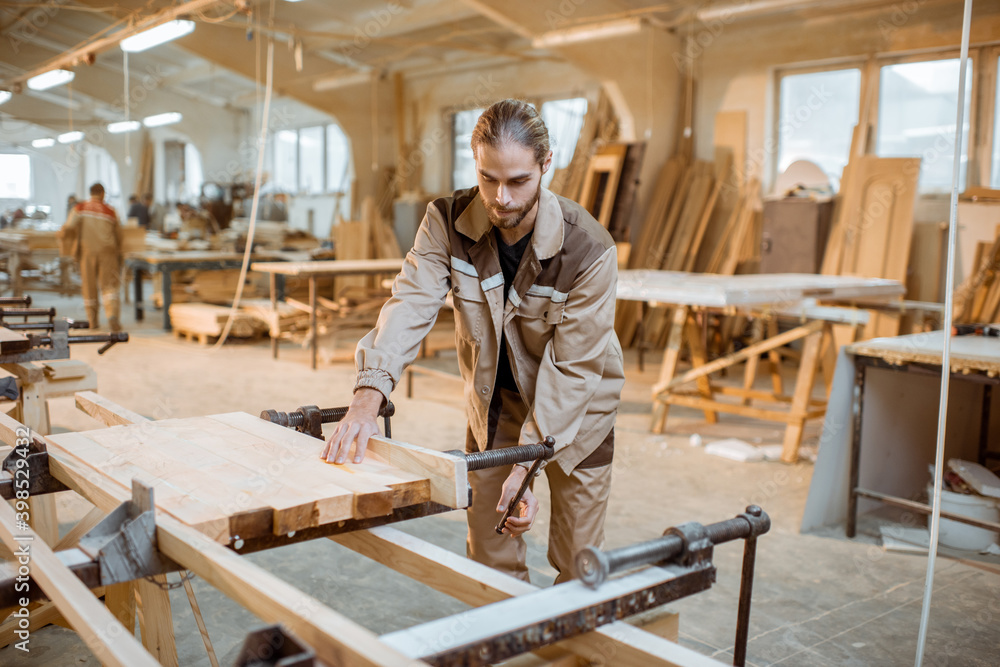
70	137
51	79
342	81
43	143
4	96
162	119
587	33
124	126
161	34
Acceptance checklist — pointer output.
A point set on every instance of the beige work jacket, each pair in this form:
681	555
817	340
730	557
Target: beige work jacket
558	320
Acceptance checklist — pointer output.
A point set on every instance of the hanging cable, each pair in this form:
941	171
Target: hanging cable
946	350
262	142
128	109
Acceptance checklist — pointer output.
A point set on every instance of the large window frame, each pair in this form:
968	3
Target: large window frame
782	73
930	56
984	111
325	146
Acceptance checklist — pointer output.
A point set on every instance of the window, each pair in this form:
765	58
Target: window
564	120
463	173
338	160
995	162
286	161
15	176
817	113
916	118
311	179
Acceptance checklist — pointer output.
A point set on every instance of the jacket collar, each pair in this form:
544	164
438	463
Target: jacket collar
547	238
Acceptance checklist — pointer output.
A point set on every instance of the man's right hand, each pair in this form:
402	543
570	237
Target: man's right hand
359	424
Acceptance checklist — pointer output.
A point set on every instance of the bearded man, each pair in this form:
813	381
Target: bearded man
533	278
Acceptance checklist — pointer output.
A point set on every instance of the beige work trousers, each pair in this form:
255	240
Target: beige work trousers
579	502
100	273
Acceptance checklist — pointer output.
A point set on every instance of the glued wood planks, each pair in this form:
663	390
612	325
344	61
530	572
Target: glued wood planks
235	475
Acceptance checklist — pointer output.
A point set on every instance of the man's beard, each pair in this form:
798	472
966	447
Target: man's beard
510	221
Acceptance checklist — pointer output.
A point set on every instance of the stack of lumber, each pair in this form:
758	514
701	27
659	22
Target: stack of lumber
202	321
977	300
275	235
288	316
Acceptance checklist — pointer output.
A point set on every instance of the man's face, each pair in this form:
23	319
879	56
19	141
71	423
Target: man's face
510	182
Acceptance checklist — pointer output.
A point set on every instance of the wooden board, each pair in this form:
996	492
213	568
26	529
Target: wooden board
12	342
235	474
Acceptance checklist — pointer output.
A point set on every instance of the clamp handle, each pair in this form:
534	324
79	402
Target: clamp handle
549	444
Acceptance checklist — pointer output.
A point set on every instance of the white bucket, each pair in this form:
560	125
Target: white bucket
959	535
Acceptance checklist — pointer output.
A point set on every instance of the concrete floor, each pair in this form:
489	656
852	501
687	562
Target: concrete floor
819	599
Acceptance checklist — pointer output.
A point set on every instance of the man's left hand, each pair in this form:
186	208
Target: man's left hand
521	519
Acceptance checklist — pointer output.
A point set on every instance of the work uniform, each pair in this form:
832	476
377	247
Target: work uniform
95	238
556	329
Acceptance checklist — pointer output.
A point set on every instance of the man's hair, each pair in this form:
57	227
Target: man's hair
512	121
96	190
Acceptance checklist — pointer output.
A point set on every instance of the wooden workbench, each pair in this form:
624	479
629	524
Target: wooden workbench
313	271
775	293
237	467
202	260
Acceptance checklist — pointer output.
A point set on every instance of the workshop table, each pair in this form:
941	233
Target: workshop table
22	246
786	294
202	260
313	271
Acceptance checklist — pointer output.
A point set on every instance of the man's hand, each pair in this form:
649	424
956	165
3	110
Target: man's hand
521	519
357	426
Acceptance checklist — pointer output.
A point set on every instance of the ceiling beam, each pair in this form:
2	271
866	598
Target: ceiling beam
88	52
500	18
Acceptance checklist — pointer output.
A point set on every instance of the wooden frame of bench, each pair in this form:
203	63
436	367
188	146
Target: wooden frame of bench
335	638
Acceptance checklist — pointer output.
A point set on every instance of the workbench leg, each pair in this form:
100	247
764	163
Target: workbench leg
829	358
984	423
34	413
275	325
669	367
137	288
750	371
699	358
800	401
775	358
155	622
314	338
14	269
854	474
120	601
167	291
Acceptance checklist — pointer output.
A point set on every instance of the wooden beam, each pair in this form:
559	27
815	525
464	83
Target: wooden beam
97	627
107	412
745	353
617	643
448	474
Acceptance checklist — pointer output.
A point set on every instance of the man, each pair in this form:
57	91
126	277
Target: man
533	277
139	210
95	239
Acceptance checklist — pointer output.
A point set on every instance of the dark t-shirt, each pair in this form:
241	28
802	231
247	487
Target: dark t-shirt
510	259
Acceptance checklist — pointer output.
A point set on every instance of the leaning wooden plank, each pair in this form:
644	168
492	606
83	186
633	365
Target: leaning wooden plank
448	474
473	583
107	412
101	632
335	639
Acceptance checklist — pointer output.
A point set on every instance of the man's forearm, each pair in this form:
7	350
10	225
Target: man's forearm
368	401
